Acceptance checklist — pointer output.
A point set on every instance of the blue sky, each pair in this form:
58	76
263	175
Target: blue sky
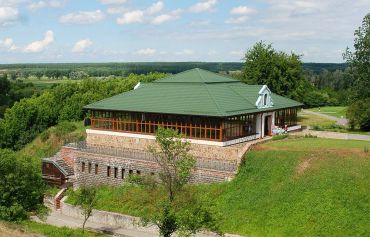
177	30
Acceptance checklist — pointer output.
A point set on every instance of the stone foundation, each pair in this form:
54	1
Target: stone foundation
121	168
228	153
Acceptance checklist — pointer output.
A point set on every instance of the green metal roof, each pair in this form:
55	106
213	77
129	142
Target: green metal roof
193	92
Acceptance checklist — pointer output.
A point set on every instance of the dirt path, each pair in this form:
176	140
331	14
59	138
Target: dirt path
339	121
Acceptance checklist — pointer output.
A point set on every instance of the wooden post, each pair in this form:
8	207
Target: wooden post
221	131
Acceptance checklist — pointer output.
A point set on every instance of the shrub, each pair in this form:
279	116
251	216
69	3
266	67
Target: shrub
280	137
358	114
21	186
64	128
317	128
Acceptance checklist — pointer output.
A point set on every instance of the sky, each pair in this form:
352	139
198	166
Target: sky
177	30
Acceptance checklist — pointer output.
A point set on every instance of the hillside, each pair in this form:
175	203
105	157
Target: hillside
291	187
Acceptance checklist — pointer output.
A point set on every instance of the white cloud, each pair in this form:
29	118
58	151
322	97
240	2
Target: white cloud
38	46
203	6
212	52
199	23
166	17
117	10
113	2
155	7
146	51
8	44
81	45
43	4
131	17
185	52
82	17
8	15
242	10
237	20
238	53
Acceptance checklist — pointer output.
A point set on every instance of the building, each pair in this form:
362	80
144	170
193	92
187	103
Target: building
215	113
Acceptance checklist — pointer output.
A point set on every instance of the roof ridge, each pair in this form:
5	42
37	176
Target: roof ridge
219	74
172	75
210	95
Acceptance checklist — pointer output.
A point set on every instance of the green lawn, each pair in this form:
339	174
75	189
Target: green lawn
290	187
310	120
337	111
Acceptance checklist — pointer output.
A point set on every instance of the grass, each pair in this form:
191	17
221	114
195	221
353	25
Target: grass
319	123
336	111
34	229
310	120
50	141
290	187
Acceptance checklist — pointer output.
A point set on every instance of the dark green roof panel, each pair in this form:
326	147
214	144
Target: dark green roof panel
193	92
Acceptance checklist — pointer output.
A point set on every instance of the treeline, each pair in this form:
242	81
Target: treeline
84	70
10	92
30	116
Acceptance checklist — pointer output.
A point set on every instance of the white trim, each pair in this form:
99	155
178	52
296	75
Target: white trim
296	127
193	141
137	86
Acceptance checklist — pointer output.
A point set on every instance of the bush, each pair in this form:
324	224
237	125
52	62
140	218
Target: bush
280	137
21	186
358	114
64	128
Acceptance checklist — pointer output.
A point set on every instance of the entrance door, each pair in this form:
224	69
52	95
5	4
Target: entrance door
267	126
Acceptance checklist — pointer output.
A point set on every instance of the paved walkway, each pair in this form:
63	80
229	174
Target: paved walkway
58	219
339	121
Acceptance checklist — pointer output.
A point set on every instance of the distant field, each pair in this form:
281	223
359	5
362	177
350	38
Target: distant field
291	187
337	111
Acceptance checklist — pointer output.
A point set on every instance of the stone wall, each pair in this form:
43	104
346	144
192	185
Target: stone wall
120	168
197	150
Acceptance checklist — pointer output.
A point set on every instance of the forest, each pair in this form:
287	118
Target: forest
81	70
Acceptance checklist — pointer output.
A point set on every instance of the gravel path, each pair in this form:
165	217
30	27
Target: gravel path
58	219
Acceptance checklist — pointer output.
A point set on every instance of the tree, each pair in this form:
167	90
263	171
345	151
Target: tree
281	72
173	205
358	114
86	199
21	186
358	62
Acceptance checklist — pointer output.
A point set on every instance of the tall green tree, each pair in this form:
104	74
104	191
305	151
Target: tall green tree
174	207
21	186
359	61
281	72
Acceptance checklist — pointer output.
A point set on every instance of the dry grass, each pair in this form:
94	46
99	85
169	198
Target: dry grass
7	230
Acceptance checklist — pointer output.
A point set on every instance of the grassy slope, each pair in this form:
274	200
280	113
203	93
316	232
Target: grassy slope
291	187
41	149
33	229
337	111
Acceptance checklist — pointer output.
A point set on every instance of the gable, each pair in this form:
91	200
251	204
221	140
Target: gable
264	99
